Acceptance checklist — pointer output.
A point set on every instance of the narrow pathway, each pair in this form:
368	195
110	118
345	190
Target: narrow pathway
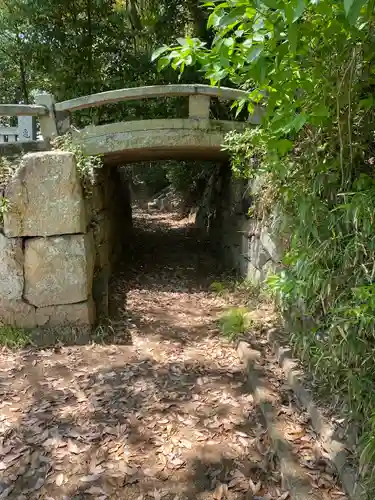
167	417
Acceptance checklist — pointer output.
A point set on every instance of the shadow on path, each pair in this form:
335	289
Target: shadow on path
166	418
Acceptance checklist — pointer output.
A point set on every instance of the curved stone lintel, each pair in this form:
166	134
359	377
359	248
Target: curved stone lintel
145	140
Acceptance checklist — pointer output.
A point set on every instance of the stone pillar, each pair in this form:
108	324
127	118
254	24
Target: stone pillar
48	123
26	128
199	106
46	253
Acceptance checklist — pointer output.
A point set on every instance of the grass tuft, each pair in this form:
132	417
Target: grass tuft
235	322
14	338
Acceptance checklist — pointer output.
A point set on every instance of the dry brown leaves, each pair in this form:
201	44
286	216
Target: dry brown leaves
166	418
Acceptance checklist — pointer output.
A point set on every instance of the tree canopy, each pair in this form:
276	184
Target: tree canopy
87	46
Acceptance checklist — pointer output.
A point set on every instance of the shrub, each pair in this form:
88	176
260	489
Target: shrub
14	338
235	322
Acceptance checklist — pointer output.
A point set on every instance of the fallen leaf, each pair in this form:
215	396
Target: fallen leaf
89	479
59	479
255	488
296	435
221	492
95	490
73	448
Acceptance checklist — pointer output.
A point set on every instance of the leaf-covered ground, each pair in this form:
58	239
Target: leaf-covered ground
166	417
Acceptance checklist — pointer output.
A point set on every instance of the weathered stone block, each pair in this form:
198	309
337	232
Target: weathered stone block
82	314
100	291
258	255
17	313
253	274
11	268
94	202
59	269
268	269
45	197
271	244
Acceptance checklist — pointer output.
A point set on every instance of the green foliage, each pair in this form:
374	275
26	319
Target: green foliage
14	338
311	66
188	179
7	169
152	175
72	49
235	322
218	287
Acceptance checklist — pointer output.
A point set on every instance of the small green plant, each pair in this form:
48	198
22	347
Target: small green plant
235	322
218	287
3	207
86	165
14	338
7	169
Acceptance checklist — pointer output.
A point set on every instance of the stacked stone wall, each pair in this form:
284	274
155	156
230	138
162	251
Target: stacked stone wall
48	248
249	245
108	210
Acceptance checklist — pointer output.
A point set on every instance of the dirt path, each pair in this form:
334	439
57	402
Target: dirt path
167	417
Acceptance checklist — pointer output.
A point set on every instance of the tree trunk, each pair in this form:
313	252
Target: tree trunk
23	81
89	47
199	18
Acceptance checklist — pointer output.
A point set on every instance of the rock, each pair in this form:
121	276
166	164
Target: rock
45	197
11	268
151	205
81	314
17	313
256	184
253	274
100	291
258	255
268	269
94	202
58	269
270	244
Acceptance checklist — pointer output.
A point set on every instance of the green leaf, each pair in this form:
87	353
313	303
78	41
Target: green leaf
367	103
292	37
228	20
158	52
283	146
229	42
214	19
354	9
162	63
254	53
348	5
272	4
183	42
298	11
239	105
299	121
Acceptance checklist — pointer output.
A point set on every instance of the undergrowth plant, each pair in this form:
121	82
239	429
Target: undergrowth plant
7	169
235	322
14	338
86	165
310	66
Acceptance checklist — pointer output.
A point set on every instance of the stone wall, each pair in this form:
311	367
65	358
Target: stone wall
110	219
248	245
46	252
57	243
251	244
